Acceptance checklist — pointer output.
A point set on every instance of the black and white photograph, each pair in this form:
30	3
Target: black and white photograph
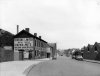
49	37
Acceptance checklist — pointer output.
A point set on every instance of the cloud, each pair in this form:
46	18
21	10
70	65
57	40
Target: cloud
68	22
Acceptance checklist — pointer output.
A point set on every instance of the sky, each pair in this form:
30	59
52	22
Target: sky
69	23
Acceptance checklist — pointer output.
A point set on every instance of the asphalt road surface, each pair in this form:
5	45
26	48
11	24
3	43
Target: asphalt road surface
64	66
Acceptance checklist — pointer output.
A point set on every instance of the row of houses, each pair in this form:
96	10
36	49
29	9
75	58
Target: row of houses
91	52
24	45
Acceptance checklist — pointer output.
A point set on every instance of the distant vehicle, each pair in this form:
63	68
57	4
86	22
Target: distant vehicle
61	55
79	57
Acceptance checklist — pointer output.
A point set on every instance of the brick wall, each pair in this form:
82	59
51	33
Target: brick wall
6	55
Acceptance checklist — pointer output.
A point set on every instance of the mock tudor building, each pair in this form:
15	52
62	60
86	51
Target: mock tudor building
28	46
87	52
96	51
91	52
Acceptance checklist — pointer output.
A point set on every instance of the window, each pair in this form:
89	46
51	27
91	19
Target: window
95	48
39	44
21	39
27	39
42	44
35	42
88	48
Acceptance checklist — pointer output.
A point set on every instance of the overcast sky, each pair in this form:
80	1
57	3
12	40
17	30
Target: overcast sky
69	23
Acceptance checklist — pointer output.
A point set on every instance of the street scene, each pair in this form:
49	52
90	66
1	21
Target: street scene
49	38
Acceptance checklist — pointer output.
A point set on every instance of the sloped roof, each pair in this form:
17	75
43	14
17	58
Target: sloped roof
6	38
99	44
90	46
2	32
96	43
29	35
22	32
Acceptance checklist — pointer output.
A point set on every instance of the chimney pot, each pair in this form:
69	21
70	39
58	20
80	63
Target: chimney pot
40	37
35	34
27	29
17	29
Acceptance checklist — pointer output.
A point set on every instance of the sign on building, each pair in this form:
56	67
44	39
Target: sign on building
8	47
23	43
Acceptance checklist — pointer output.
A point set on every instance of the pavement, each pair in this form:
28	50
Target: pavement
92	61
17	68
64	66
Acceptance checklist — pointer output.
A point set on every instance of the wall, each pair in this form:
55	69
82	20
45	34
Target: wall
6	55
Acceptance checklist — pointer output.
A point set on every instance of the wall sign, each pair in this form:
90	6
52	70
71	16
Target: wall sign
23	43
8	47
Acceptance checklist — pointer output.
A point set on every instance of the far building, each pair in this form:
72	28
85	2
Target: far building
91	52
54	49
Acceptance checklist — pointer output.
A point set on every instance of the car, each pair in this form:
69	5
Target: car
61	55
80	58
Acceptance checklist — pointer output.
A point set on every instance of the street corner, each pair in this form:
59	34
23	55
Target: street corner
26	72
39	61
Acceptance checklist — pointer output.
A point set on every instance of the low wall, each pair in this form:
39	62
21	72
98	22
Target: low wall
6	55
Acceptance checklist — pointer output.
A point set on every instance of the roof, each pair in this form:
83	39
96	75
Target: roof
6	38
26	34
96	43
90	45
2	32
99	44
52	45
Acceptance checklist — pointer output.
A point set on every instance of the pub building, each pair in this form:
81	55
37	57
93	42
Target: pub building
28	46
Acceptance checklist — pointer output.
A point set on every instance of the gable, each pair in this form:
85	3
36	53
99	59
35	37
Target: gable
23	34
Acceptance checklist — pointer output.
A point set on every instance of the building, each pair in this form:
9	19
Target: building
6	46
91	52
87	52
29	46
53	47
96	51
24	45
49	51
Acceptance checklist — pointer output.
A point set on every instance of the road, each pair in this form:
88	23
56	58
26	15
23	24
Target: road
64	66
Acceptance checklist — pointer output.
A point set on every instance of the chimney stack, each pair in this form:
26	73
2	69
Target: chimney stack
27	29
17	29
39	37
35	34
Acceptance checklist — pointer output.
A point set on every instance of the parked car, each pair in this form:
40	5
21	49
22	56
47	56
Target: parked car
79	57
